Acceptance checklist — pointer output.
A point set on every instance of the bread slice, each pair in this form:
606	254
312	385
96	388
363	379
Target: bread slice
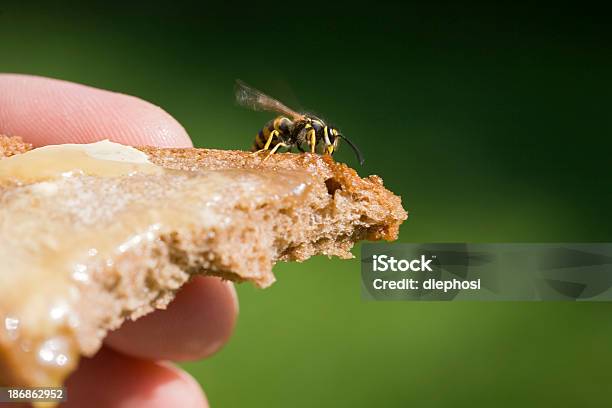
99	250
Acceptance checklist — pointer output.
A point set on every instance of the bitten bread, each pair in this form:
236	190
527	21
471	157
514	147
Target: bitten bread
88	240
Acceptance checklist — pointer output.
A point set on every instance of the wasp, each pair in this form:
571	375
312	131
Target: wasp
291	129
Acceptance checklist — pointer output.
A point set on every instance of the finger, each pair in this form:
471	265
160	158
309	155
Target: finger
110	379
50	111
196	324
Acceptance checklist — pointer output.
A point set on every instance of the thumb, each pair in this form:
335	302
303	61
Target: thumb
50	111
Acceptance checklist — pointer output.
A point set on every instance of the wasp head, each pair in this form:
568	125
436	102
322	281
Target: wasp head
332	136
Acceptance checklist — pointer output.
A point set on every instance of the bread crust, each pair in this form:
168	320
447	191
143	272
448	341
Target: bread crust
337	209
378	203
12	145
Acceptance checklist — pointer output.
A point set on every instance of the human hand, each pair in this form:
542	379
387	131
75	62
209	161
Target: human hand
131	369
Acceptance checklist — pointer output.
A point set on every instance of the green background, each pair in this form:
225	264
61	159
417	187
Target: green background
493	124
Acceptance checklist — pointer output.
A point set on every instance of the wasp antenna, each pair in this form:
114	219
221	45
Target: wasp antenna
355	149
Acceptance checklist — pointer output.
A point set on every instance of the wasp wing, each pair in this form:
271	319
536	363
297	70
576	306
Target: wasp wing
253	99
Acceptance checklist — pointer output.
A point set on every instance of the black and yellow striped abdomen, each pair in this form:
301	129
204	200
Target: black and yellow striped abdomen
283	127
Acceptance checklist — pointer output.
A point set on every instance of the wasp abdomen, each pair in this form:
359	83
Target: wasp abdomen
281	125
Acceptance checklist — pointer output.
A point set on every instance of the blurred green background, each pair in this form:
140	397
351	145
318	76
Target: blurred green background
492	122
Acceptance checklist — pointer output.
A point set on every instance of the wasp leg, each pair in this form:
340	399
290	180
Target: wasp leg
256	152
313	140
272	134
268	142
281	144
